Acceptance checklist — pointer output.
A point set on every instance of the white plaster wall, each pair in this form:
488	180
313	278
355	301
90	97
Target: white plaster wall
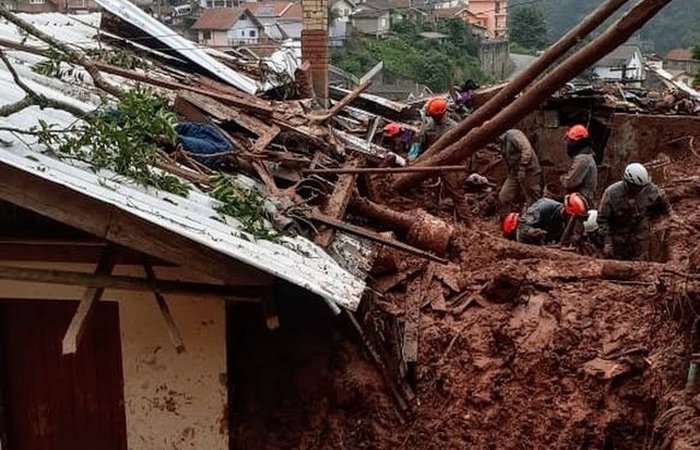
172	401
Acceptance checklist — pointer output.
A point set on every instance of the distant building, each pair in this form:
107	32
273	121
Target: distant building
43	6
493	14
477	24
680	60
342	9
624	64
281	19
228	27
372	22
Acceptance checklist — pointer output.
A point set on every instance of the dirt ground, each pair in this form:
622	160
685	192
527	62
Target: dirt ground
557	359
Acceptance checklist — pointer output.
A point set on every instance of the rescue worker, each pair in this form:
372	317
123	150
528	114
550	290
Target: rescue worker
627	210
544	221
438	124
582	176
524	181
396	138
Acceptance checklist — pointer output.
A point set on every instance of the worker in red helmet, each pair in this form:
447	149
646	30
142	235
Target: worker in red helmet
544	221
582	176
524	180
396	138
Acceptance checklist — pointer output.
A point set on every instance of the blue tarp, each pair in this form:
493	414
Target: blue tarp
202	139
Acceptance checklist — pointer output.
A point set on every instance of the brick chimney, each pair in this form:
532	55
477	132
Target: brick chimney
314	44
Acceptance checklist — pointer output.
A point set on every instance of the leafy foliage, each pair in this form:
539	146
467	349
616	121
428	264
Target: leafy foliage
696	52
528	27
408	55
124	140
676	26
53	65
246	205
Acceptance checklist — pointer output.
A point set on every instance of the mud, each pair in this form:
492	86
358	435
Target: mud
522	353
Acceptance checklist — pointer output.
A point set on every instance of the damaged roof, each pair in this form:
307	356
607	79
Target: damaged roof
219	18
620	56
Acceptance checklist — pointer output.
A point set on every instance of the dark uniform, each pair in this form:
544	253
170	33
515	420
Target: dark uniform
542	222
524	179
625	220
583	174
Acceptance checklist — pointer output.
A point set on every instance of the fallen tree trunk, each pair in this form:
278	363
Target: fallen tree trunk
538	93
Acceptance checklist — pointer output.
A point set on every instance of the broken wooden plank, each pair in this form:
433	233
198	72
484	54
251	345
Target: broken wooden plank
173	330
345	101
74	333
265	139
338	202
127	283
387	283
417	291
374	170
376	237
224	113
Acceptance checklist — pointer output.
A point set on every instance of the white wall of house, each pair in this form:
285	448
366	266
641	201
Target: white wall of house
270	26
245	31
635	70
372	25
342	10
173	401
214	38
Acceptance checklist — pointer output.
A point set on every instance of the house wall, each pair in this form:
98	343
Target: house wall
635	72
218	38
494	58
688	66
173	401
245	31
342	11
372	25
496	24
27	6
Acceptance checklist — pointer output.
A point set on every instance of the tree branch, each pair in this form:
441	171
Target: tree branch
33	98
75	56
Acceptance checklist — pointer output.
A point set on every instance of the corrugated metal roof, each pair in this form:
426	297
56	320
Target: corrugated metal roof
187	49
296	260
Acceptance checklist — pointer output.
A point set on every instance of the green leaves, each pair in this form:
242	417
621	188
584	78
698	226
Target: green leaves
528	27
246	205
124	140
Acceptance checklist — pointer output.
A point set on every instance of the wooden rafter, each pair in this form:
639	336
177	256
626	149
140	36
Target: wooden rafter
91	296
173	330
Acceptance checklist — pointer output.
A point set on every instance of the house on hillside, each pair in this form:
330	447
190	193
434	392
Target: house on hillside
372	22
493	14
680	62
477	24
624	64
227	27
281	19
44	6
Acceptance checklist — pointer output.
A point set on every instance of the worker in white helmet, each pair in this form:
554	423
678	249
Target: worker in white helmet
626	213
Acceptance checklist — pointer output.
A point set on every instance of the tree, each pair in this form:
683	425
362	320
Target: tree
696	52
528	27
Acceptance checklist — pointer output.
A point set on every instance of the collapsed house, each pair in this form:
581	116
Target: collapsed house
131	299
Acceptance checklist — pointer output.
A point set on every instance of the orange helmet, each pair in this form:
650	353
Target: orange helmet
575	205
436	106
392	130
577	132
510	224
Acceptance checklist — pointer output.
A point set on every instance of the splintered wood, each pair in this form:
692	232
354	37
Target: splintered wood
417	292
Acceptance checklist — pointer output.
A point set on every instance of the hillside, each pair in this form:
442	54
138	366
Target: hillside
678	25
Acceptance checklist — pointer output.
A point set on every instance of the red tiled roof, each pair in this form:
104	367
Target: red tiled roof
218	18
680	54
447	12
293	13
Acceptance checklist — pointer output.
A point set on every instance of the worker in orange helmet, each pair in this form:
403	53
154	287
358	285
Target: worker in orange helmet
545	220
439	123
582	176
396	138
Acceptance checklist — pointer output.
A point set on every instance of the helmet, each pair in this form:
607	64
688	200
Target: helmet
510	224
636	174
575	204
590	225
392	130
577	132
436	106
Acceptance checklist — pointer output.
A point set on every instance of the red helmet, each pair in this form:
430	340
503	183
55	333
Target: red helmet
577	132
436	107
510	224
575	205
392	130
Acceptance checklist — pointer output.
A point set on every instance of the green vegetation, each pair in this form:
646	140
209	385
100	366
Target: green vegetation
676	26
408	55
528	27
520	50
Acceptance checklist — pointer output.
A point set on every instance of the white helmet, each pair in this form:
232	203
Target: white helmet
590	225
636	174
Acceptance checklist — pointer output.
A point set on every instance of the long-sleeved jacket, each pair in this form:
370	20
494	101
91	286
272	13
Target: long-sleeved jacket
582	176
620	216
519	155
546	215
432	131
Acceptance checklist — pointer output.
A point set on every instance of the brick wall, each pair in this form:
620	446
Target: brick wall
314	44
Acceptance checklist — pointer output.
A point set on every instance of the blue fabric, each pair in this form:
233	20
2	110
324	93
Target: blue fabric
202	139
414	151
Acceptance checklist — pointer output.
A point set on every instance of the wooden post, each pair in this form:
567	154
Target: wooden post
538	93
92	295
173	330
